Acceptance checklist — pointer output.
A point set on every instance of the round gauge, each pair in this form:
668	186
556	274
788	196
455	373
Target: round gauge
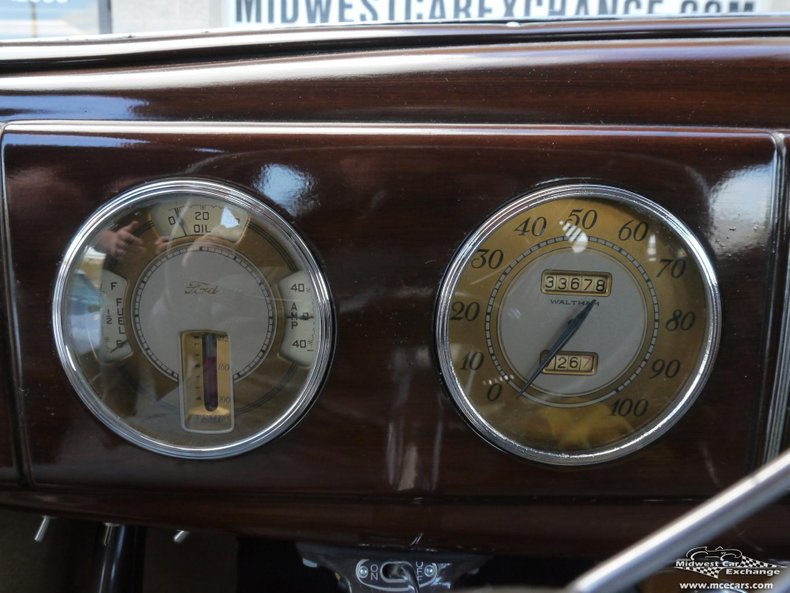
577	324
192	319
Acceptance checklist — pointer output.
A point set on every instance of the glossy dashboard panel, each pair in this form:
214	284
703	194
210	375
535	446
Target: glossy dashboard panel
385	160
591	74
385	209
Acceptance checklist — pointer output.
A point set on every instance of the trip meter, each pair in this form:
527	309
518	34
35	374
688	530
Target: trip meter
577	324
192	319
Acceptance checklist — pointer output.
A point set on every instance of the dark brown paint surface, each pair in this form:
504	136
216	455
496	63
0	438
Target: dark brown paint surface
383	456
384	213
717	82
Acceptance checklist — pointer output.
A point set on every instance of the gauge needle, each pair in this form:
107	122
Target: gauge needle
570	330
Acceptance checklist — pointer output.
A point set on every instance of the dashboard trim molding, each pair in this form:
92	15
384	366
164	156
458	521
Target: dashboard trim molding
110	49
780	394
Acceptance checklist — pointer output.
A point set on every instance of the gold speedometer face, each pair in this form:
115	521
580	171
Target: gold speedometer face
192	319
577	324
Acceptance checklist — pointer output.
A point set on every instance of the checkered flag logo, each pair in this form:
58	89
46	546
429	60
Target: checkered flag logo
747	562
710	562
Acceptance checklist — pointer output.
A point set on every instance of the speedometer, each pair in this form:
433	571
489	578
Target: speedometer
192	319
577	324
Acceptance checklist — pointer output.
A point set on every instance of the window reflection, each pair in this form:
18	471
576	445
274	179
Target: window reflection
70	18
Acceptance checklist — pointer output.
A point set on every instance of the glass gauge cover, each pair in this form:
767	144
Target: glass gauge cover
192	319
577	324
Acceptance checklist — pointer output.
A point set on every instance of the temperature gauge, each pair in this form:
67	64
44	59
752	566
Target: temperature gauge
206	382
192	319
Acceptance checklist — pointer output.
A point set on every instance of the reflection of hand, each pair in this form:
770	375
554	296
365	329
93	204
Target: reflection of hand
161	244
119	243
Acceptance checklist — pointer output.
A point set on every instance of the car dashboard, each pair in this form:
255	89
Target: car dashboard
384	150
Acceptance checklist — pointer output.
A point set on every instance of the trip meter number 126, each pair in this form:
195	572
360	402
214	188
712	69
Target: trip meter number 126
577	324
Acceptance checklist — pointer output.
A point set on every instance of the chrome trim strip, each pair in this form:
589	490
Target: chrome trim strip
301	128
777	411
96	49
658	426
17	423
139	196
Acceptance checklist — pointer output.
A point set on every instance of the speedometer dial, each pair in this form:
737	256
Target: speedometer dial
192	319
578	324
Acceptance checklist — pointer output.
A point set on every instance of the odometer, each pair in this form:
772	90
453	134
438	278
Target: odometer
577	324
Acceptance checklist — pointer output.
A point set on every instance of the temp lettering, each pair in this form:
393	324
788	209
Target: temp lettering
210	419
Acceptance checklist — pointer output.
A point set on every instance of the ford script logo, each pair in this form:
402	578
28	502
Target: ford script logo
198	287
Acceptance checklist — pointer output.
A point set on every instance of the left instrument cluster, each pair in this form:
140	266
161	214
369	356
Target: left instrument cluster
192	319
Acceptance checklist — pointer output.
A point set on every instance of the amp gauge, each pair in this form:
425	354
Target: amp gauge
192	319
577	324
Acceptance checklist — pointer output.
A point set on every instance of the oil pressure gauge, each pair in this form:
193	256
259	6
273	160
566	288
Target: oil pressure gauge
577	324
192	319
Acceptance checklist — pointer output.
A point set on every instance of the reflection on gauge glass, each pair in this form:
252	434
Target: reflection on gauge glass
577	324
192	319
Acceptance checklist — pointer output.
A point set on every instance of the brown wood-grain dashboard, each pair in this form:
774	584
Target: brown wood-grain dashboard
405	142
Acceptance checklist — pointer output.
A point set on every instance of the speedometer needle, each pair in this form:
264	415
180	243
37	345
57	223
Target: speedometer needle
573	326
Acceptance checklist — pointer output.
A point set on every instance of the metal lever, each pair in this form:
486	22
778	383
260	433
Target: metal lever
644	558
724	510
405	571
180	536
41	532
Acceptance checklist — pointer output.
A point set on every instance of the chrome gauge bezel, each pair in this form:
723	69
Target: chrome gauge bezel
646	434
147	194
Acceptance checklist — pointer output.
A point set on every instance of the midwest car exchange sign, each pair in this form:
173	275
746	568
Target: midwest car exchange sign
279	13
